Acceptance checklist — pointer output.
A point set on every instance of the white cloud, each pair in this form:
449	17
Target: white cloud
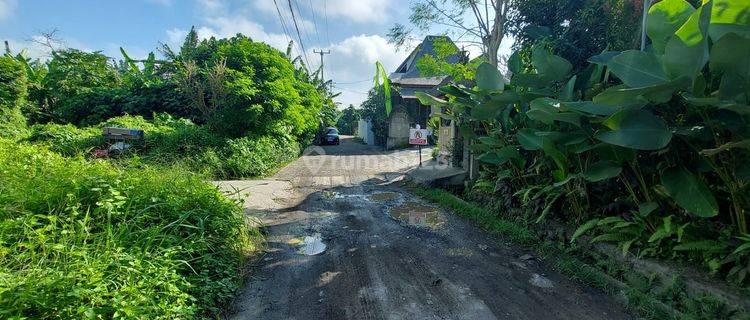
351	64
352	60
6	8
357	10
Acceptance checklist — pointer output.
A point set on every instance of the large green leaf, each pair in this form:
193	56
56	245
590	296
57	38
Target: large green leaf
602	170
638	97
550	66
568	92
638	69
731	54
486	111
489	78
529	80
636	129
501	156
557	156
547	111
664	19
686	52
589	107
604	57
690	192
514	63
730	16
429	100
528	139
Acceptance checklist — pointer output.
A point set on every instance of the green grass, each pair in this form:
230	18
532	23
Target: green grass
86	239
176	142
557	255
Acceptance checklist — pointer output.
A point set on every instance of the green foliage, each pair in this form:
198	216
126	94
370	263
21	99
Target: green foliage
13	93
169	142
443	64
672	135
373	108
252	157
577	30
81	239
348	120
73	79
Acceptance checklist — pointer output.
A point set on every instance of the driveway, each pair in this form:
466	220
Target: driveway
347	242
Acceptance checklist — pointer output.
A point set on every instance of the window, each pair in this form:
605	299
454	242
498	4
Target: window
332	131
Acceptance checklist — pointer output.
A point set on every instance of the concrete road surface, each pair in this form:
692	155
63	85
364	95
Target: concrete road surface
345	242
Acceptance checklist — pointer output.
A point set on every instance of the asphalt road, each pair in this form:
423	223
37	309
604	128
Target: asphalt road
346	242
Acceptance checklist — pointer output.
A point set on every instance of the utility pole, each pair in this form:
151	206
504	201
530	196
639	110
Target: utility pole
321	53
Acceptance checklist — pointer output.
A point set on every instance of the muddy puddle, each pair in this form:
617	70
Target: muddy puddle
384	196
418	214
311	245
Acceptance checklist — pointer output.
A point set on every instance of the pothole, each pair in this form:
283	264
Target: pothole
417	214
384	196
311	245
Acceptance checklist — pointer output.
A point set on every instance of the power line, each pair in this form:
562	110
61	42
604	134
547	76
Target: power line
349	90
353	82
325	13
315	22
285	28
281	19
305	30
299	36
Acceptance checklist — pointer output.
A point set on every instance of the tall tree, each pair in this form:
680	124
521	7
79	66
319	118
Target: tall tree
486	26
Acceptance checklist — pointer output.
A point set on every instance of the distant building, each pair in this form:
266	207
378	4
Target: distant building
407	81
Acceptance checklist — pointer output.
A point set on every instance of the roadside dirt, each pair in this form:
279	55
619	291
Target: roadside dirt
370	250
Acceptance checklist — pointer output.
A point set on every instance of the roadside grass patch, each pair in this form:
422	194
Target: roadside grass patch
176	142
668	301
85	239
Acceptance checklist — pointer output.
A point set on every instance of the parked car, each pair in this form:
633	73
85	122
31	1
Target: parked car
331	137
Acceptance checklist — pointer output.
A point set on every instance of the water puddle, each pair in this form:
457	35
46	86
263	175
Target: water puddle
418	214
540	281
312	245
384	196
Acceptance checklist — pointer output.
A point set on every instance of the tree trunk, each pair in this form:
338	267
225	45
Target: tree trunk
495	37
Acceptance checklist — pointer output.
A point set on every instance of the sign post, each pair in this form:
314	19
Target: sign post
418	136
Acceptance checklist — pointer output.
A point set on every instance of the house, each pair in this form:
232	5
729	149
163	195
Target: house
407	80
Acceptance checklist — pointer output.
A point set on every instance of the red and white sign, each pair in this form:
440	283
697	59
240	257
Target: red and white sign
418	136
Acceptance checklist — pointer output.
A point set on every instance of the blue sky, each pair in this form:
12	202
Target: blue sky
354	30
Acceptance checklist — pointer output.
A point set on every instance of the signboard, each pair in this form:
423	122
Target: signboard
418	136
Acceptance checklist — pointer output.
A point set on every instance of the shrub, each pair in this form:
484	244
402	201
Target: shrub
12	96
80	86
83	239
66	139
252	157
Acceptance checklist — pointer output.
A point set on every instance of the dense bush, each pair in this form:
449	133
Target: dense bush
655	160
576	30
348	120
179	142
251	157
79	86
82	239
13	92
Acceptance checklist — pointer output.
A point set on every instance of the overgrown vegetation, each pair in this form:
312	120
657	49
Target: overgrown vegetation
645	149
227	108
645	294
140	234
84	239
